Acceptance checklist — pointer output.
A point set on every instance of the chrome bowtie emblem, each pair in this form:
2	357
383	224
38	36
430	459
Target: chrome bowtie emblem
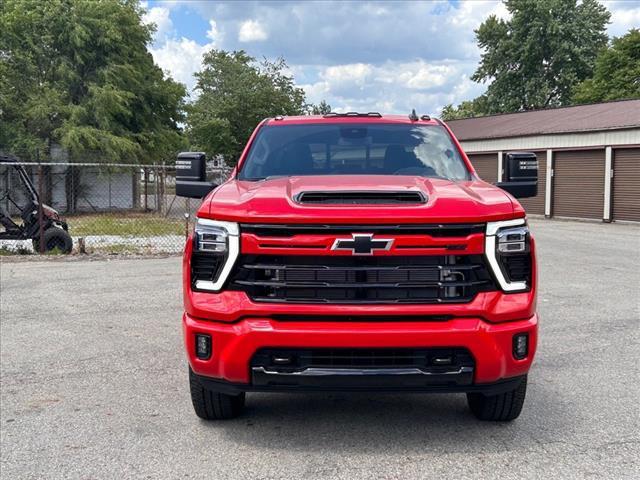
362	244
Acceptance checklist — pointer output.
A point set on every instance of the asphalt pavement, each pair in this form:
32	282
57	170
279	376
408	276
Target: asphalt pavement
93	384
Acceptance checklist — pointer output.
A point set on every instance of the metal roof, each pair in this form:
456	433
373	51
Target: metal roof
580	118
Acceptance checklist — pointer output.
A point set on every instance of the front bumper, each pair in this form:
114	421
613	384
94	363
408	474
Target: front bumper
233	346
357	384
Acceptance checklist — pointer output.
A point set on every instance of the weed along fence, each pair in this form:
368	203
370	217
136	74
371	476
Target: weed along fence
107	208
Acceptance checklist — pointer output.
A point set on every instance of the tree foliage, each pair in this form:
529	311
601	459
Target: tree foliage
537	57
467	109
234	94
617	72
321	108
78	73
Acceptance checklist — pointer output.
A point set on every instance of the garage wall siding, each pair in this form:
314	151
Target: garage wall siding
578	183
626	184
486	165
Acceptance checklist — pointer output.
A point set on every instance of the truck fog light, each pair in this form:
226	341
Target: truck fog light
203	346
520	346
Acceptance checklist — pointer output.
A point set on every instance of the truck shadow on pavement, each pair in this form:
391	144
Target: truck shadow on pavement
412	423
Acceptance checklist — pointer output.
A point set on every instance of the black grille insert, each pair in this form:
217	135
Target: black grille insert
205	266
383	279
422	358
286	317
517	268
360	198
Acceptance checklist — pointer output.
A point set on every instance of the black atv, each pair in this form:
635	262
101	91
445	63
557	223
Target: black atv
24	197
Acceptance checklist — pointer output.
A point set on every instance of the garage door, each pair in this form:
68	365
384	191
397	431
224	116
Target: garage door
578	184
486	164
626	184
535	204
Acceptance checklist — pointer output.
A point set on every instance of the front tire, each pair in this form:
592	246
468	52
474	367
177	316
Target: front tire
211	405
503	407
54	239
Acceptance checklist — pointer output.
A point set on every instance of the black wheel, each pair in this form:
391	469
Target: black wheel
210	405
498	408
55	239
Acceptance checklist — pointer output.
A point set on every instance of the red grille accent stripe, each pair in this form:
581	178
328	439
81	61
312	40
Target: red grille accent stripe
402	245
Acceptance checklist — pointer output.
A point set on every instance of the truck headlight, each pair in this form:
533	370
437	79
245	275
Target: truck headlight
513	240
216	246
212	236
507	248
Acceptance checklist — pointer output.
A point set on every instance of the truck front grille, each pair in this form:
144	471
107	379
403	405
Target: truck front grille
434	230
374	279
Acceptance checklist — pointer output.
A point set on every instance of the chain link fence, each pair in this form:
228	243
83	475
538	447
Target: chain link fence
107	208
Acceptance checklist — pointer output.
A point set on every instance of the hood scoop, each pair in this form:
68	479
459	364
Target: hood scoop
360	198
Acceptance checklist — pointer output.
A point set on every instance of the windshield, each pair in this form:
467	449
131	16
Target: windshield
353	149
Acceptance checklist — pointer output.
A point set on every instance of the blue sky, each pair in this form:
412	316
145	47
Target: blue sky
365	56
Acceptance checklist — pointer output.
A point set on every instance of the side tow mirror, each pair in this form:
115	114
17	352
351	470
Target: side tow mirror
191	175
520	174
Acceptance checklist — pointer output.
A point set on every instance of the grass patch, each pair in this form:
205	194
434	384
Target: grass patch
124	224
119	250
4	251
54	251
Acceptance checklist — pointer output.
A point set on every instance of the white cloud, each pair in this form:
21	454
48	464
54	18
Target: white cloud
386	56
468	16
419	75
624	16
393	87
159	16
252	31
181	58
471	14
353	74
345	32
213	33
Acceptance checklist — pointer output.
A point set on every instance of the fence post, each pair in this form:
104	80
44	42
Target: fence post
146	188
157	182
41	245
72	208
159	190
7	180
162	189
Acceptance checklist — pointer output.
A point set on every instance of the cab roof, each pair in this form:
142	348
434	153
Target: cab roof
351	117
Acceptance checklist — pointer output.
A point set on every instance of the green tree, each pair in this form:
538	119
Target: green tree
321	108
467	109
234	94
617	72
78	73
537	57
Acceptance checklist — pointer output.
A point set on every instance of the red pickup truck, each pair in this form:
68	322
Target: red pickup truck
359	252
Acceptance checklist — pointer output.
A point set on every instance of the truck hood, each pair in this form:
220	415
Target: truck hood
274	201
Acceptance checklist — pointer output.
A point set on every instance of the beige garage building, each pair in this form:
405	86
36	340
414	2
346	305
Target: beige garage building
589	156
